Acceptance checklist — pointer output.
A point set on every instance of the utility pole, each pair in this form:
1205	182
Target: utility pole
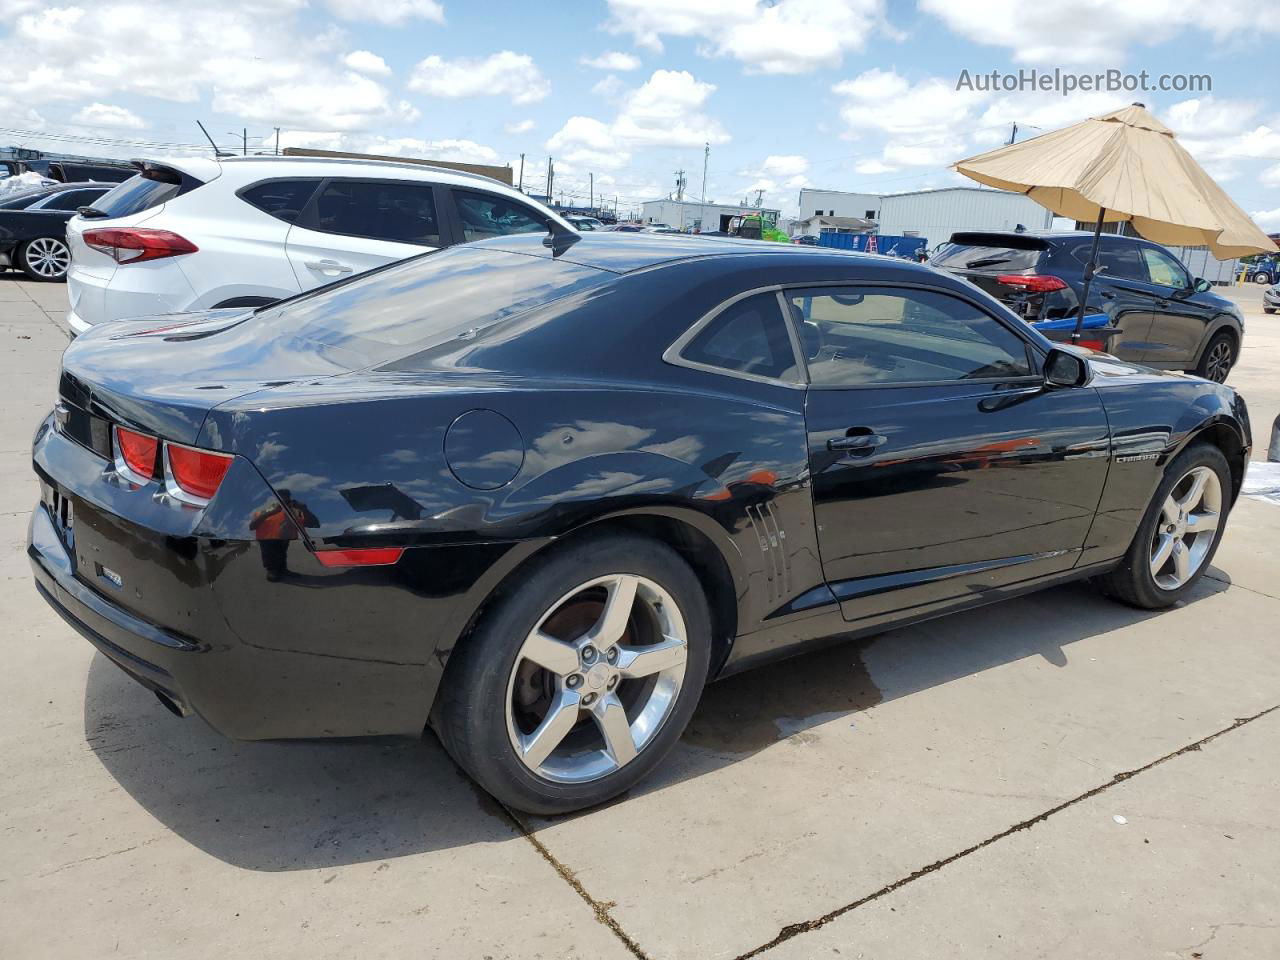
244	133
706	155
521	187
551	178
1014	135
277	141
592	195
759	198
680	182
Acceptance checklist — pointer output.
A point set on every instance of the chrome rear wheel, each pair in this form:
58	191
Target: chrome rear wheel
596	678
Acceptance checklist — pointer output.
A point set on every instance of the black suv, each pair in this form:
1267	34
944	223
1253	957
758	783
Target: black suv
1166	317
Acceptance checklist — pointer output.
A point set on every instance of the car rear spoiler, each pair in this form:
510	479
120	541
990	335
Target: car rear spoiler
1013	241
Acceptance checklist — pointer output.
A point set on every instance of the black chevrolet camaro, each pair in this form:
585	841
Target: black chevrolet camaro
536	493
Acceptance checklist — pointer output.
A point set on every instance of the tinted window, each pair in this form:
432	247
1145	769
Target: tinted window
431	298
380	209
882	335
1164	270
137	194
21	201
992	259
71	199
1120	260
283	199
749	336
484	215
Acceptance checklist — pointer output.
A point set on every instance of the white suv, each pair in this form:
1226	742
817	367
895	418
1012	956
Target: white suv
194	234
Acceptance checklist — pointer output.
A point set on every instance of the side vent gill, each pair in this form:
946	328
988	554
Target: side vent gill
773	545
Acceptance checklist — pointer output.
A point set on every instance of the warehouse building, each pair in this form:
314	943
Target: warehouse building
838	203
936	214
692	215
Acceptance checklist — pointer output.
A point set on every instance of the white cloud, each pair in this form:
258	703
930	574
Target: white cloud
513	75
519	126
785	165
871	168
612	60
229	53
387	12
667	111
609	87
786	36
1097	32
363	61
108	115
1270	177
1267	219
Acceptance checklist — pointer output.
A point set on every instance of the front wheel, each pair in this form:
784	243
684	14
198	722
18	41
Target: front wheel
1218	358
1179	533
577	683
1262	278
45	259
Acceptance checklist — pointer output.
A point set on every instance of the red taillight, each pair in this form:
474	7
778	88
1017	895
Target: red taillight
135	244
1032	282
138	452
360	557
196	473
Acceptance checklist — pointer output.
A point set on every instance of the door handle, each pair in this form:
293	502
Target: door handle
1107	295
329	266
1162	302
859	441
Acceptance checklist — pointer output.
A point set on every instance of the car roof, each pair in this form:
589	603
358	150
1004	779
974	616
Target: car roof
289	165
628	252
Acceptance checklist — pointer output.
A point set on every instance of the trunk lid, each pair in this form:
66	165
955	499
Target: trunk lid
164	374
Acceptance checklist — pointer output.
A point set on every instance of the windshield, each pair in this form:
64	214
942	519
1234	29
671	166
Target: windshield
427	299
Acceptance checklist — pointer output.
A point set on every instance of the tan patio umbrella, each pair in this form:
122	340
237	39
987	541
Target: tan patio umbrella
1125	165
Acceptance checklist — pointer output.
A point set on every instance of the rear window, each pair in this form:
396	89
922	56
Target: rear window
283	199
440	296
984	259
144	191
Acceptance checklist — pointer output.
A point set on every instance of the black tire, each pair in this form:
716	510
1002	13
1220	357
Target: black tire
1268	309
470	714
1218	358
1132	582
45	259
1262	278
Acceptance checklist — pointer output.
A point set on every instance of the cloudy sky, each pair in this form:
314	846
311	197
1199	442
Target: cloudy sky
848	94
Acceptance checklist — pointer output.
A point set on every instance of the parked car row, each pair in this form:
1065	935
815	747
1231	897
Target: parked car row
1166	318
33	227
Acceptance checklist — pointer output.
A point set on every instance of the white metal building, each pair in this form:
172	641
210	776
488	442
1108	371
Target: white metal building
838	203
688	214
936	214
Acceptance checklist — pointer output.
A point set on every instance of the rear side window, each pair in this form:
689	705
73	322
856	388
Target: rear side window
749	337
485	215
444	296
283	199
144	191
1118	260
71	199
987	259
379	209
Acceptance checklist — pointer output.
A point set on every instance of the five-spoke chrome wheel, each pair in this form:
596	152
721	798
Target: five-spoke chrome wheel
1185	530
47	258
595	678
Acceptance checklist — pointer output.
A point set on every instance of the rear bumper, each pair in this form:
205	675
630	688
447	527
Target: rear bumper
253	635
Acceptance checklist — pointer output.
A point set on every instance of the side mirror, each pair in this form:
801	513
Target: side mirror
1200	285
1065	369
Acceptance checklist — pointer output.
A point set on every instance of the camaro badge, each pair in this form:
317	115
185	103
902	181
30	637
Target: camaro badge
1134	458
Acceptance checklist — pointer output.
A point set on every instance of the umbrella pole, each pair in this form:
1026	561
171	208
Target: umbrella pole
1089	271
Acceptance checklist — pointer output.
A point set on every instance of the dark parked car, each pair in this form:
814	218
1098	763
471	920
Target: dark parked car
33	227
1167	318
543	513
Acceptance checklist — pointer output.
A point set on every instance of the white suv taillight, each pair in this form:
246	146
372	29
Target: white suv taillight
135	244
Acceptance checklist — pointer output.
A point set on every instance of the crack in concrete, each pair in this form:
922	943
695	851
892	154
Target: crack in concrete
807	926
101	856
598	907
1241	586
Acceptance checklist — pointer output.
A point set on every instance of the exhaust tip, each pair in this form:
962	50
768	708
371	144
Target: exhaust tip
171	704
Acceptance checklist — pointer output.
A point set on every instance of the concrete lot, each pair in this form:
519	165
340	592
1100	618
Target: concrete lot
1055	776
